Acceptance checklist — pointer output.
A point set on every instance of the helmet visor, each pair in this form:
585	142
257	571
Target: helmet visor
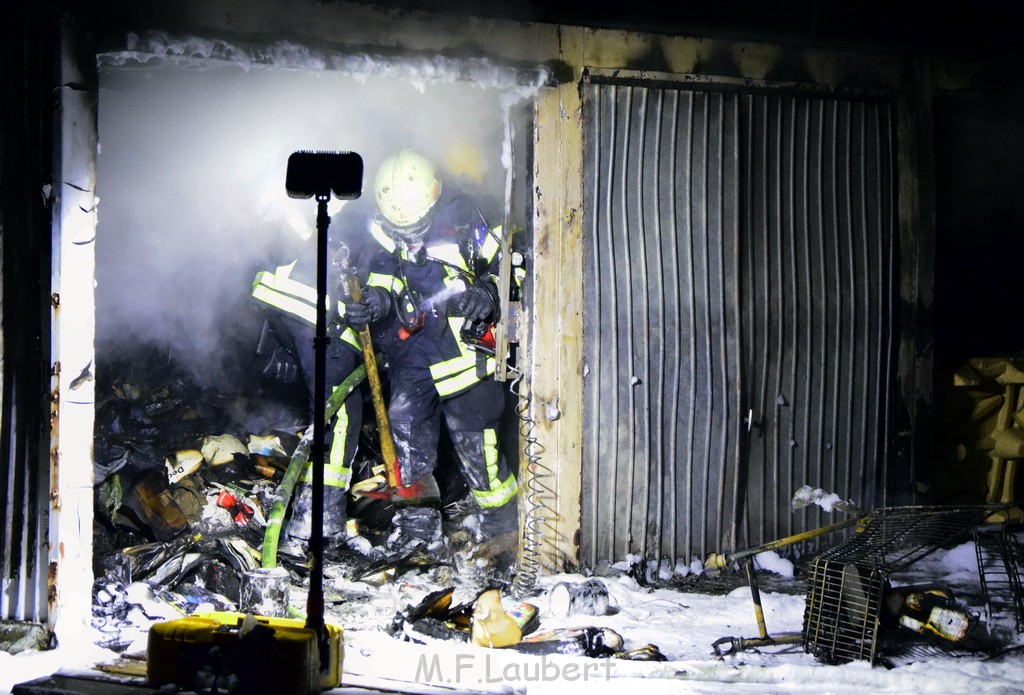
410	232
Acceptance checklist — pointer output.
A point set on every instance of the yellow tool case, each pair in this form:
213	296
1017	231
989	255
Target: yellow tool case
242	653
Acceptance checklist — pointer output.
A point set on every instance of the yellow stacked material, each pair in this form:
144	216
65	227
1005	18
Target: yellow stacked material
983	427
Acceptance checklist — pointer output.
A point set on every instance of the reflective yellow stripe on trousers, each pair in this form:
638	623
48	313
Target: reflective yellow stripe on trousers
336	471
501	491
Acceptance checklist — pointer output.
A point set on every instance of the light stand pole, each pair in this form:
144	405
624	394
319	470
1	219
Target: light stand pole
318	174
315	598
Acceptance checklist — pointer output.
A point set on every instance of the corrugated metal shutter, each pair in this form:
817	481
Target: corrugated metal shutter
738	259
819	280
661	423
26	100
24	492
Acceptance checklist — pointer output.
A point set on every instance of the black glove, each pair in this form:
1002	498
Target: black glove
373	305
480	301
281	366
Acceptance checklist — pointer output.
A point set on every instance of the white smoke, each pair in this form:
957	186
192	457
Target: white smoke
195	136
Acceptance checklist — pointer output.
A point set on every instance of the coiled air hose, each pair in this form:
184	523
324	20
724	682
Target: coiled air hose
535	499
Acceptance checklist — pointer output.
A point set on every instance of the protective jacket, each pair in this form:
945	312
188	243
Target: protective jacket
432	371
426	279
289	293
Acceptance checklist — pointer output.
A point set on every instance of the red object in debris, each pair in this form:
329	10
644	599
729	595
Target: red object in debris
399	492
407	492
225	500
244	514
240	511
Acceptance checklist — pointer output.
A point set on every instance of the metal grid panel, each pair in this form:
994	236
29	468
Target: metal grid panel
662	363
841	616
1000	569
893	538
842	613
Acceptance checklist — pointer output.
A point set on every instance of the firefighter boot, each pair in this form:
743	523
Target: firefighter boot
299	526
488	523
415	529
417	523
495	535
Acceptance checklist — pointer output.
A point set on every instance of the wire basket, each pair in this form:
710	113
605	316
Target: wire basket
843	613
1000	558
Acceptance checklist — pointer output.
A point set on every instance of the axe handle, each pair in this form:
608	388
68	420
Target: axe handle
387	442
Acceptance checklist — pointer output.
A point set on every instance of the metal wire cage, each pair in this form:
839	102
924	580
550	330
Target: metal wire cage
843	613
1000	558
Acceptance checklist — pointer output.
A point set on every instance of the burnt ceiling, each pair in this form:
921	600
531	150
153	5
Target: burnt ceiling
983	28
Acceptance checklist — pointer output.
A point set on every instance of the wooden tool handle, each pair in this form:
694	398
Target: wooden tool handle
387	442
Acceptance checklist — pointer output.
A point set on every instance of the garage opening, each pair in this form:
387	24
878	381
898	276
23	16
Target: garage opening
193	144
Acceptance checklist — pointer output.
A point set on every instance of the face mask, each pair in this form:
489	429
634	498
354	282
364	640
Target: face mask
411	234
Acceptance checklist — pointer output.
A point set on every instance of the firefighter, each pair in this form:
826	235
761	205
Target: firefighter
430	297
288	296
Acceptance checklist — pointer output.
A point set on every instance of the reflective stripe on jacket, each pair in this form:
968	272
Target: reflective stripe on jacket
280	291
457	250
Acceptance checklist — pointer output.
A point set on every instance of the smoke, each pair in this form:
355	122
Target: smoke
191	177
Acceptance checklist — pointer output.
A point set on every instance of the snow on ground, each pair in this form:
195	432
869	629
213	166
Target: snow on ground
683	624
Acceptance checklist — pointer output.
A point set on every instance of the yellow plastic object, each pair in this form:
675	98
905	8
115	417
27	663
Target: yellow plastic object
259	654
492	626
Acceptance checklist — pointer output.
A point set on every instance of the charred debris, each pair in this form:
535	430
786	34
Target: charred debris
186	477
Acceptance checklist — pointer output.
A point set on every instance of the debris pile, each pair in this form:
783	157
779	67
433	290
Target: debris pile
184	478
493	621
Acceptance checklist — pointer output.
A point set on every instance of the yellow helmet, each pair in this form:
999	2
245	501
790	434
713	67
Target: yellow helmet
406	188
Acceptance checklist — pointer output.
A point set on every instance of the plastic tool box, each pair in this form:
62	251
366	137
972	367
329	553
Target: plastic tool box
242	653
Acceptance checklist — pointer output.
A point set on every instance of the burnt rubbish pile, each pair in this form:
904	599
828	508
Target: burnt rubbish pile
185	478
495	620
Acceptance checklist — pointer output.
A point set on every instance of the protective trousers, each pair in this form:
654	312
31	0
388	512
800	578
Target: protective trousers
472	416
341	438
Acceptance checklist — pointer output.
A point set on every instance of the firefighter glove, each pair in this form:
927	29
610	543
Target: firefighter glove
281	366
480	301
373	305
